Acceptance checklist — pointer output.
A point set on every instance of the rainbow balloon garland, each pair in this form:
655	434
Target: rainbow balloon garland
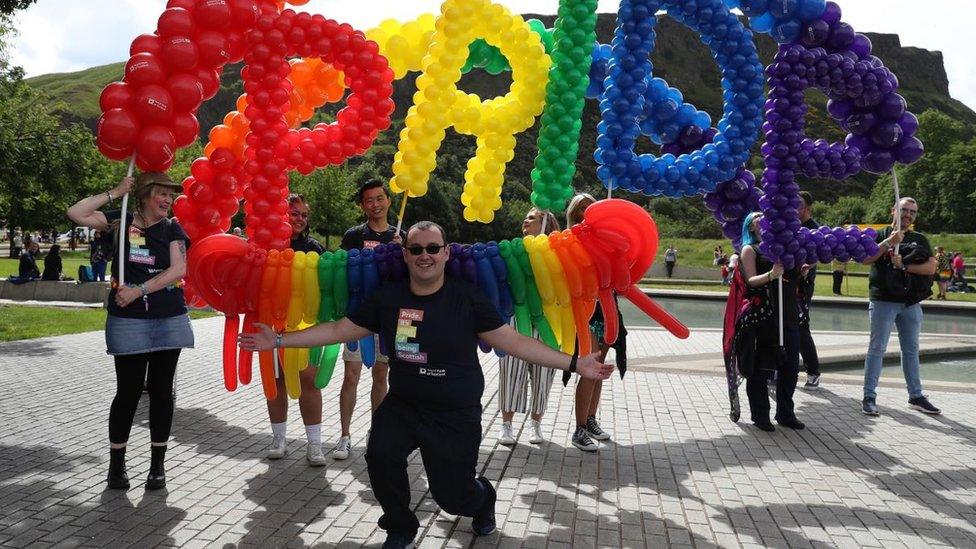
297	62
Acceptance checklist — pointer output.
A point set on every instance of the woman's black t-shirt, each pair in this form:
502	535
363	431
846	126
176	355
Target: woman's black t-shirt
791	306
306	244
434	360
147	255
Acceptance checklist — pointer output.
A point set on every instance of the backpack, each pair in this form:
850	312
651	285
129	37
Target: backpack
85	274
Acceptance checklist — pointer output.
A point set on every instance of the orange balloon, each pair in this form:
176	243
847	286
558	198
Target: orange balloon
222	136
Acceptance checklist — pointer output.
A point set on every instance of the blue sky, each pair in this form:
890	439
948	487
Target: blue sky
70	35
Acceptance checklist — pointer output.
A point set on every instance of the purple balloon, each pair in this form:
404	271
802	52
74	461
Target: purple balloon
910	150
861	46
841	38
861	123
839	109
879	161
908	123
887	134
815	33
892	107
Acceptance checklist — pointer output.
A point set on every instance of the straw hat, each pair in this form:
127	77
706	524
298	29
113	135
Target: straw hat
147	179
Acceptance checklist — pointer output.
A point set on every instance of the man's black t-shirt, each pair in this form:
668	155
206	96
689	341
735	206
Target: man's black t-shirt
362	237
147	255
914	249
434	360
306	244
807	284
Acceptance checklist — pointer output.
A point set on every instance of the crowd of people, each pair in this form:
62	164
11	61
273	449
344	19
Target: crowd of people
427	387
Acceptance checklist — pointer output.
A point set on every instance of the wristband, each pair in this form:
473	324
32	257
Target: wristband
109	195
277	340
572	362
769	276
145	291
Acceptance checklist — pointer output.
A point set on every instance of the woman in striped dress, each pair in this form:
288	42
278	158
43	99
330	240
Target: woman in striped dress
515	373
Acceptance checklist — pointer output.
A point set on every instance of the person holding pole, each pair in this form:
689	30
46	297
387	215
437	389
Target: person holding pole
147	324
310	398
778	347
374	200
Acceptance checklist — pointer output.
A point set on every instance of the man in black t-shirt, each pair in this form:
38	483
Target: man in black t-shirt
808	349
900	279
436	382
374	200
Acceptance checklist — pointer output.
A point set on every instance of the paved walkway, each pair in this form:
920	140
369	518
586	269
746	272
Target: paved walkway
678	472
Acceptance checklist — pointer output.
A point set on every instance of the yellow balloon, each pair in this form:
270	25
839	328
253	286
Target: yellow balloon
311	288
494	122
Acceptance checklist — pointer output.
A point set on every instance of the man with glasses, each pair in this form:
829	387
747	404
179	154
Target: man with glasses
900	279
374	200
436	382
806	284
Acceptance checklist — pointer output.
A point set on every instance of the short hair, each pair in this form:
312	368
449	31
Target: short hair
747	237
370	184
426	226
904	199
807	198
572	210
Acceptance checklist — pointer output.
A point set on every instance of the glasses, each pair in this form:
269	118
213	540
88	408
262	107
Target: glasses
431	249
296	213
909	212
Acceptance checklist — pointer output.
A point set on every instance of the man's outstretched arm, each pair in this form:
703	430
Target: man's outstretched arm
533	351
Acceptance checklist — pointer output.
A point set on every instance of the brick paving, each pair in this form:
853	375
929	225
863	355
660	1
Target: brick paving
677	473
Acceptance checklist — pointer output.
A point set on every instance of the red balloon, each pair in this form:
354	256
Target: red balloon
236	45
155	148
143	69
114	153
214	14
209	79
203	170
179	53
182	207
148	43
118	129
222	158
213	49
175	22
185	127
185	4
201	193
153	105
186	90
244	13
117	95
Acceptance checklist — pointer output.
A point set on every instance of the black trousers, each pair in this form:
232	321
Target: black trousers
130	376
448	443
808	350
787	372
669	267
838	281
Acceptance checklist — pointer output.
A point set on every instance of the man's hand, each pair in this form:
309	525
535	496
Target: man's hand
805	270
590	368
777	270
896	261
262	340
895	238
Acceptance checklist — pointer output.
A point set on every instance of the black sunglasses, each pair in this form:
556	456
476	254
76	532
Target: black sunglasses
430	249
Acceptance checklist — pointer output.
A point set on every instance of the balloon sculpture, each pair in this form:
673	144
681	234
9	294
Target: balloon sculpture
297	62
550	283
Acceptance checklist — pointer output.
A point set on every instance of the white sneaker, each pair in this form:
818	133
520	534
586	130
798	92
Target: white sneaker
314	455
505	436
279	447
343	448
536	429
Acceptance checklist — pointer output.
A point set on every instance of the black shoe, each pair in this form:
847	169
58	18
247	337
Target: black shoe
157	475
398	541
792	423
118	479
923	405
483	524
869	407
764	426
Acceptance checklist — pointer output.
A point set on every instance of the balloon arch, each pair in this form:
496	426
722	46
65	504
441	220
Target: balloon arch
298	62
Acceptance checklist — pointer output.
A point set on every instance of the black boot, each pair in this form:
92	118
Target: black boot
157	475
118	479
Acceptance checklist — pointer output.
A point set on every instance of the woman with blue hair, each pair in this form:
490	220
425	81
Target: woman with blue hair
752	346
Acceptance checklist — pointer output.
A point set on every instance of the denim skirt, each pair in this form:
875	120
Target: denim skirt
129	336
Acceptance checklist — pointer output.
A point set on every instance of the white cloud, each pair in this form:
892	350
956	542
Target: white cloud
67	35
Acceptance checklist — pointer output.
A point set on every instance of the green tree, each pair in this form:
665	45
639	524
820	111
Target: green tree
848	209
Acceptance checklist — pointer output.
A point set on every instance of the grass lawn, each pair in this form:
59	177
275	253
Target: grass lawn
69	263
853	287
18	322
698	253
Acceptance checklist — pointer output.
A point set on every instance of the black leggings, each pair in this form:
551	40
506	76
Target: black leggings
130	375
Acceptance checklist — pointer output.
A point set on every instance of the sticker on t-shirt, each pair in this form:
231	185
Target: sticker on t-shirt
407	329
141	256
370	244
